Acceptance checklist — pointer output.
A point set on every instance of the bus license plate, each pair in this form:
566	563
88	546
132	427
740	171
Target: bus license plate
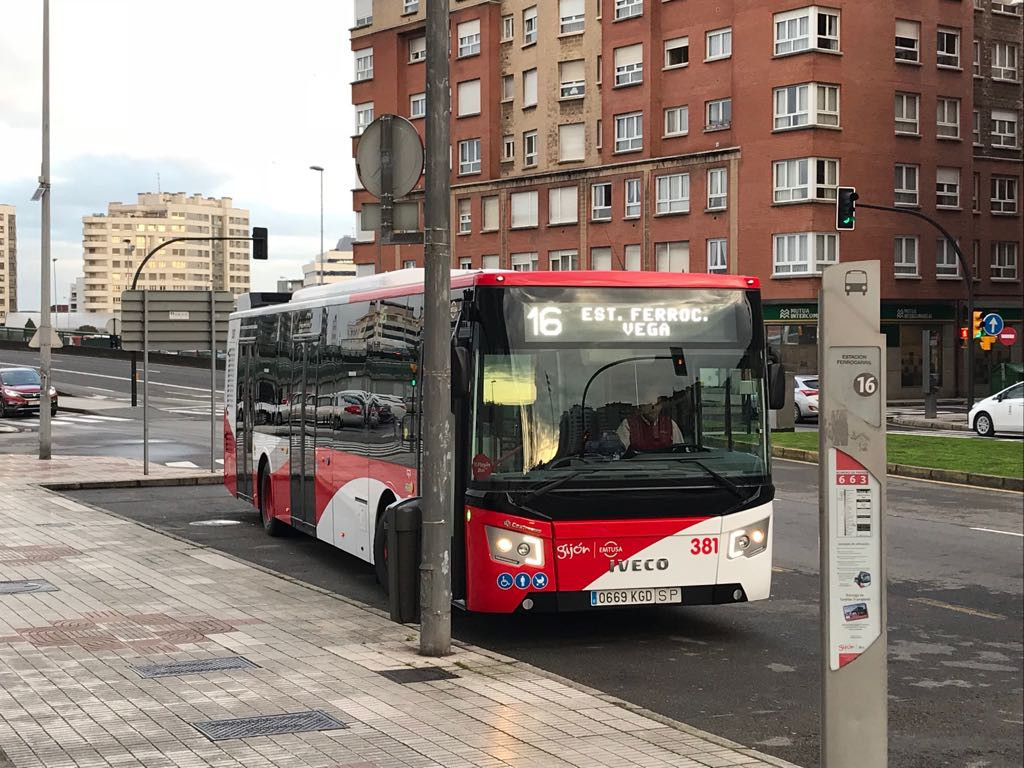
643	596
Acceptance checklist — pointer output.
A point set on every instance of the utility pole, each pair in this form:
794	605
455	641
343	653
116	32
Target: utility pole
436	484
43	193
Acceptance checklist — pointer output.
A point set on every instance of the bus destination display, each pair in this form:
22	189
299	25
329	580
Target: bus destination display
609	321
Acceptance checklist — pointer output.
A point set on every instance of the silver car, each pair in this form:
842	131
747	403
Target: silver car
805	397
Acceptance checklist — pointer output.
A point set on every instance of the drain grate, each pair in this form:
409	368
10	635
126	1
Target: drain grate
417	675
26	585
193	667
268	725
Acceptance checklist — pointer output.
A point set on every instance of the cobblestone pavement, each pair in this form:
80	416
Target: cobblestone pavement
109	599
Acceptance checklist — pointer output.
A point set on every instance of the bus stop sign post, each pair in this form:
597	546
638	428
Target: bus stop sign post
852	492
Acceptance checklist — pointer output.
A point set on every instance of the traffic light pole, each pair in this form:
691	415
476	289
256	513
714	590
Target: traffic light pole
968	275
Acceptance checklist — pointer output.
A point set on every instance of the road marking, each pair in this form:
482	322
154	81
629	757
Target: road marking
182	465
125	378
779	569
957	608
993	530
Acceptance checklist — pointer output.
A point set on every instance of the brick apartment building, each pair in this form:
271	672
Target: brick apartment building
679	135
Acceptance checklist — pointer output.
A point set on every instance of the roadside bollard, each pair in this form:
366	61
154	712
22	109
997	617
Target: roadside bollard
403	520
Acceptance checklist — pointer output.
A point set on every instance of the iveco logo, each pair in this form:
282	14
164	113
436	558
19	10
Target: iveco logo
650	564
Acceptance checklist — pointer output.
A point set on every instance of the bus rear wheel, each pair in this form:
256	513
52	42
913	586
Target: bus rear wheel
271	525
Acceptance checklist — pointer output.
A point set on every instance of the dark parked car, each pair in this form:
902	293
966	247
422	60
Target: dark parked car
19	392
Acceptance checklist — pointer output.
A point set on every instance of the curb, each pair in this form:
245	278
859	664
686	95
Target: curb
950	426
146	482
919	473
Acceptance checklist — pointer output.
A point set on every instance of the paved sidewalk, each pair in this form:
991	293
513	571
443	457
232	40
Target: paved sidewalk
71	693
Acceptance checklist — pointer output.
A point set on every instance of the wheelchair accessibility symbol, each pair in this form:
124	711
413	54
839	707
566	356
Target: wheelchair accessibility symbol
505	581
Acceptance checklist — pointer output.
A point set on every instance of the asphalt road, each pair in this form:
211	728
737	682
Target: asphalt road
748	672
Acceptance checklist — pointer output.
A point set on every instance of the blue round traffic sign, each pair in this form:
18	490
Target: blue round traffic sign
992	323
523	580
540	580
505	581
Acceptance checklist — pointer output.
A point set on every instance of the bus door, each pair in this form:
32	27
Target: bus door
302	429
244	417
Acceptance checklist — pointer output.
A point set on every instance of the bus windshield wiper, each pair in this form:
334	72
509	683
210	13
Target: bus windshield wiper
722	480
556	483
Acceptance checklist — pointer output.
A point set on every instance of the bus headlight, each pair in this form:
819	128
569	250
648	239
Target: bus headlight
749	541
515	548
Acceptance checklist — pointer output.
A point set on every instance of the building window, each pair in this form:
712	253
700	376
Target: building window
947	188
466	263
627	9
524	262
947	118
908	41
633	257
571	142
417	105
469	156
1005	61
563	205
907	107
677	121
1004	128
465	216
572	79
601	202
795	107
364	13
530	25
530	149
634	198
629	132
904	256
364	64
672	257
410	6
805	178
946	264
508	149
571	18
469	98
976	66
947	47
508	87
508	28
563	261
1004	194
718	44
469	38
1010	7
1004	260
524	209
673	193
629	65
601	259
597	130
718	256
905	185
677	52
718	186
718	114
489	213
529	88
417	48
976	193
793	30
489	261
804	253
364	116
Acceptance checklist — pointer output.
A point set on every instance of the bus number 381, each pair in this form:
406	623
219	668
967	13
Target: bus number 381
706	546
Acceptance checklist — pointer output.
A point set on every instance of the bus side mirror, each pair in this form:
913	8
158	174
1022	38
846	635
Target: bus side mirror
776	386
460	372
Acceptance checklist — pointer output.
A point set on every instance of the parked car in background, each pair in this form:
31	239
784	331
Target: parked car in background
1002	412
805	397
20	392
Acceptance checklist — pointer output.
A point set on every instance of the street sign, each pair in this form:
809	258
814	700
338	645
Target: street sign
406	157
55	341
992	324
178	320
1008	336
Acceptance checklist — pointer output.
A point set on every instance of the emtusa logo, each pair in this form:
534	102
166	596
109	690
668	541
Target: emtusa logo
610	549
569	551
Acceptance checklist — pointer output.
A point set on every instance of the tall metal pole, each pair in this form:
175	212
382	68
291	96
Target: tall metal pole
45	329
436	484
56	301
213	378
145	382
319	169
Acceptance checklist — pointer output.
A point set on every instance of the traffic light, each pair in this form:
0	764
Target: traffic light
986	342
846	208
412	368
977	331
963	336
259	243
679	361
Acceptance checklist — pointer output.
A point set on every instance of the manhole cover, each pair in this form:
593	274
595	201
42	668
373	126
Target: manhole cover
417	675
192	667
26	585
215	523
268	725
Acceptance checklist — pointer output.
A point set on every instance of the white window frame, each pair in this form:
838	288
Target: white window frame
1006	62
907	48
629	132
464	91
633	198
976	127
365	18
490	213
569	134
529	25
904	257
628	9
364	64
417	48
469	43
508	88
563	206
947	125
677	120
364	116
631	73
508	28
806	105
803	179
557	260
718	189
947	193
1004	128
900	102
666	253
417	106
672	194
812	253
470	159
719	106
906	185
1004	195
574	87
466	263
508	148
530	159
410	6
465	215
794	30
1008	7
1005	260
523	209
523	262
721	37
717	255
947	266
572	20
633	257
530	75
677	44
944	58
601	201
604	253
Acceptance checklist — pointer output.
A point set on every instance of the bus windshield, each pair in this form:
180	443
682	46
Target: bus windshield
617	387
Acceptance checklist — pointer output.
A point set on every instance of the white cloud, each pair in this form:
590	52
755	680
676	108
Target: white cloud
233	97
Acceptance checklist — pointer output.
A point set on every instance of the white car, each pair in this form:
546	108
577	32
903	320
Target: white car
1001	412
805	397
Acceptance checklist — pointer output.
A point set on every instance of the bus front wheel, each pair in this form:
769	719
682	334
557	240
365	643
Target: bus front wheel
271	525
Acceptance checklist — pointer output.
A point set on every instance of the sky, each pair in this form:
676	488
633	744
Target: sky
231	98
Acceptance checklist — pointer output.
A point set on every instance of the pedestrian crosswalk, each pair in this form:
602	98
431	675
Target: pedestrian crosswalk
66	420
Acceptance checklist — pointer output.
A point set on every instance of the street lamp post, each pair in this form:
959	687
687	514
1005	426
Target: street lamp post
319	169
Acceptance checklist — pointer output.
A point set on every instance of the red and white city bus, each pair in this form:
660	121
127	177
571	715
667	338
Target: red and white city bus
610	430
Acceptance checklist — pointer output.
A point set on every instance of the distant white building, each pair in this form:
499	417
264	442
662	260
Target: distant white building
76	296
63	321
337	265
290	286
